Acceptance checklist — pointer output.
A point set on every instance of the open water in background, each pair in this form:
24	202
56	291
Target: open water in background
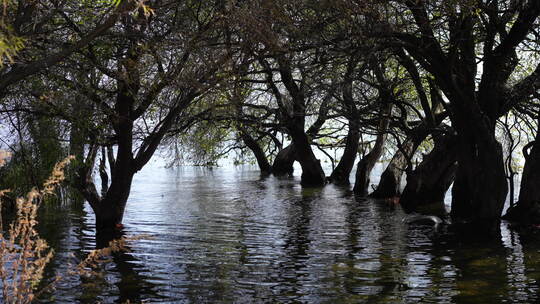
228	235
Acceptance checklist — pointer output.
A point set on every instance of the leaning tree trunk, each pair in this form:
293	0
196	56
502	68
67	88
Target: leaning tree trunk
527	209
480	187
283	163
312	172
111	208
429	182
390	181
389	185
366	164
341	173
258	152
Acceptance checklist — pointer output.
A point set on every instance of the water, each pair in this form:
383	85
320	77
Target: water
229	236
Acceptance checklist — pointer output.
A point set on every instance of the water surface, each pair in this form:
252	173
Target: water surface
228	235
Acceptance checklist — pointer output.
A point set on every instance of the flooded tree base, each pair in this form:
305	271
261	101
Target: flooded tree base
524	214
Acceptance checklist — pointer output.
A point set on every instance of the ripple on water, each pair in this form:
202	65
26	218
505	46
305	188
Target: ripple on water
228	235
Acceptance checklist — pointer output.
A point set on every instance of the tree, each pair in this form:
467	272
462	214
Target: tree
140	79
30	23
445	39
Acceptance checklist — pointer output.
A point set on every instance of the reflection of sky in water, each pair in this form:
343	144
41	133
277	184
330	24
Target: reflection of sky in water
227	235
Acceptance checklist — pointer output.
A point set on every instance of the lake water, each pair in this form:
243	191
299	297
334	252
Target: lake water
229	236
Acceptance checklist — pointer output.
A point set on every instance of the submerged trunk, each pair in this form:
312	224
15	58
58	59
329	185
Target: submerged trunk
480	186
391	177
389	185
363	170
428	183
312	172
110	209
111	213
341	173
258	152
366	164
283	164
527	209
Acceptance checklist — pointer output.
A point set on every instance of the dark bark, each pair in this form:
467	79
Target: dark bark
341	173
292	116
312	172
364	168
258	152
283	163
429	182
390	183
527	209
110	209
480	186
106	234
103	173
366	164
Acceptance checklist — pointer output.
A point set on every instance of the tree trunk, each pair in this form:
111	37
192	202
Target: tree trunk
110	211
312	172
389	185
363	171
366	164
480	187
258	152
427	185
283	164
527	209
341	173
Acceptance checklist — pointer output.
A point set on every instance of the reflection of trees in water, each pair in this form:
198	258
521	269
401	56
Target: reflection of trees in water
293	269
475	263
272	241
222	232
132	285
65	227
387	261
373	267
523	263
